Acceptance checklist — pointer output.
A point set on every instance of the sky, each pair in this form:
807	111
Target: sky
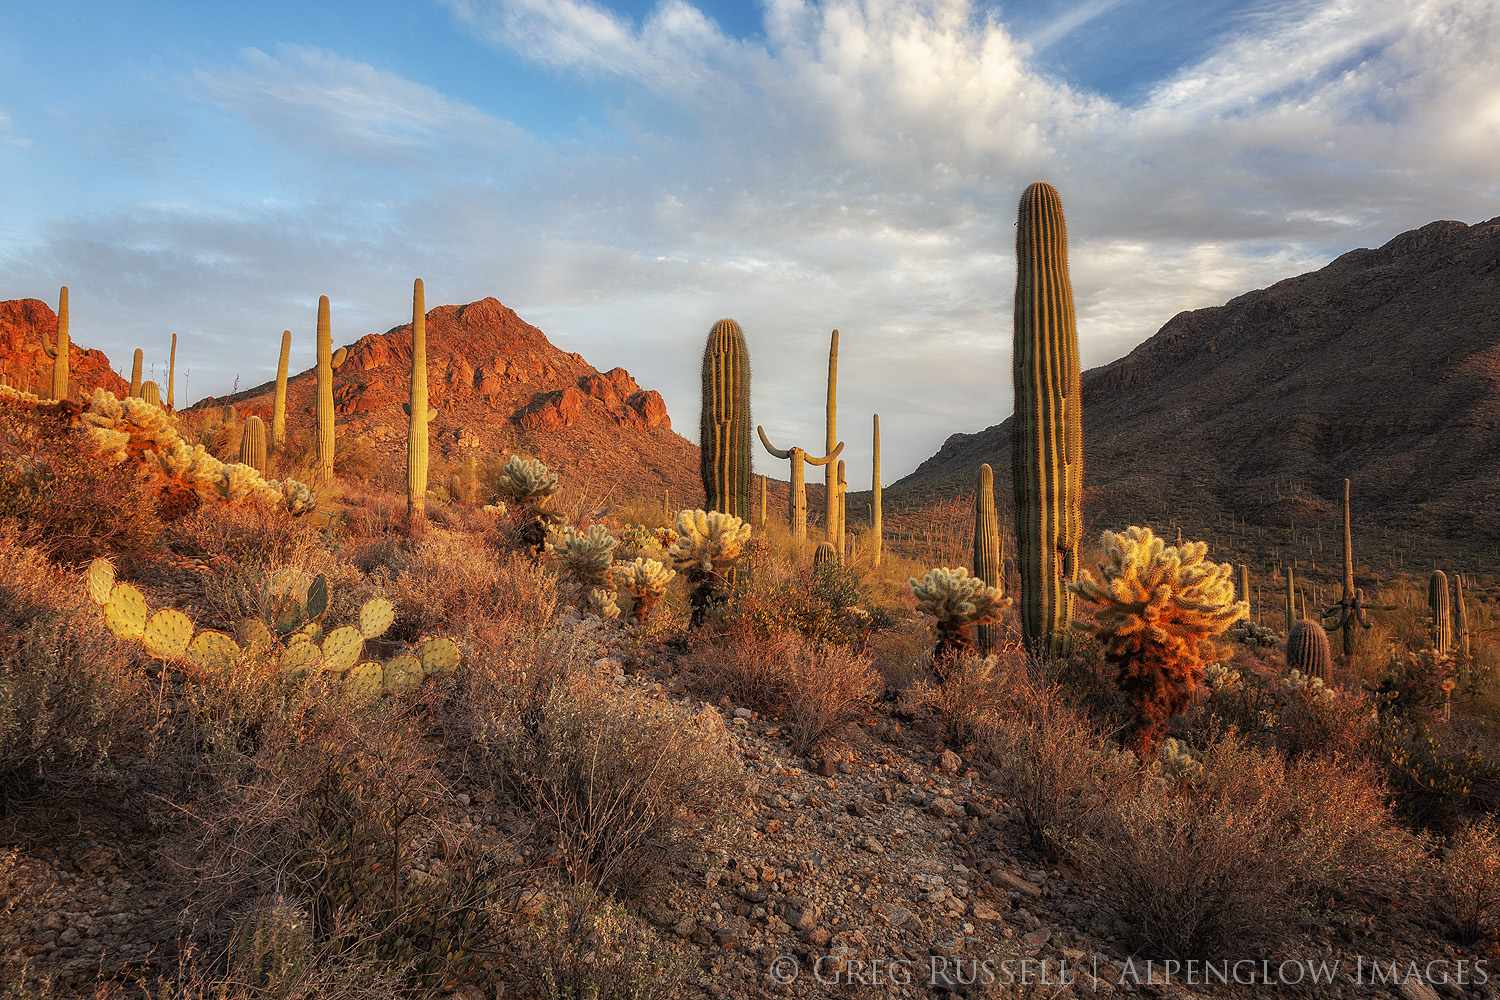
623	173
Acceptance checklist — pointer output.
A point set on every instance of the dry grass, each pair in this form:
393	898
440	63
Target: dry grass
1469	882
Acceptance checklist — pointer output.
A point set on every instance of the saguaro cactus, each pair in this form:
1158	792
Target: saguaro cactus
172	375
1460	617
135	373
1291	601
1047	448
987	549
324	405
416	408
151	393
841	490
59	354
724	423
1350	609
1243	580
278	412
797	497
1442	619
761	522
830	438
253	444
875	530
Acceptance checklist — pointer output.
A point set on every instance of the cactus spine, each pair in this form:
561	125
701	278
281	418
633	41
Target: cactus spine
416	438
1442	620
172	375
987	549
830	438
1460	617
135	373
1307	650
875	533
59	354
253	445
1047	447
797	496
278	412
724	423
324	406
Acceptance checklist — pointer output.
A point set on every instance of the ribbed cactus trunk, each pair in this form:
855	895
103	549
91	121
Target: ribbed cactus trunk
1047	448
1244	585
253	444
797	499
59	354
151	393
135	373
1460	617
987	555
416	438
324	406
1350	595
724	421
761	521
1291	601
1442	619
830	438
172	375
876	536
278	412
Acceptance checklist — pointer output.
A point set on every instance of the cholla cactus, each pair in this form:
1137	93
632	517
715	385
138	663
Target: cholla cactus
1311	688
1222	679
1251	634
602	603
1178	765
587	555
528	484
708	545
957	601
646	580
1158	606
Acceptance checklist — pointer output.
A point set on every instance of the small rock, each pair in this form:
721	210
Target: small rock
819	937
950	762
727	938
685	927
743	713
872	845
985	912
827	768
69	937
1415	989
943	808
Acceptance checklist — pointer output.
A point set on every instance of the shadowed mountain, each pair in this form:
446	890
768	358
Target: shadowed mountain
1382	367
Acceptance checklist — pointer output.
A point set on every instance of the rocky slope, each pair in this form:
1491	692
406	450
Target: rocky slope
1382	367
23	325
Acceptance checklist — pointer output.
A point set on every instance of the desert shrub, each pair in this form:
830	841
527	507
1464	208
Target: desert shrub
813	686
243	534
73	703
454	585
329	811
591	949
66	501
621	786
1469	881
832	606
1228	849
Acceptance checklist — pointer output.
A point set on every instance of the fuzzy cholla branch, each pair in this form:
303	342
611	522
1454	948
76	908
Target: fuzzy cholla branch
643	577
527	479
588	555
708	542
1158	607
953	596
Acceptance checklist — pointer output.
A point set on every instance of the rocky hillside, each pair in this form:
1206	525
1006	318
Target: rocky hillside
500	386
1382	367
23	325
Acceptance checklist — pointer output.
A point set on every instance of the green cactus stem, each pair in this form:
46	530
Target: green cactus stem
1047	447
417	437
1460	617
151	393
724	422
1351	607
987	554
1307	650
1243	581
135	373
876	535
1291	601
841	490
278	412
1442	618
172	375
324	406
253	445
761	520
797	497
830	438
59	354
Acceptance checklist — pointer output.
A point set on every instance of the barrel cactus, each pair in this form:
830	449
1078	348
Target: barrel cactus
1307	650
1047	445
151	393
724	425
253	444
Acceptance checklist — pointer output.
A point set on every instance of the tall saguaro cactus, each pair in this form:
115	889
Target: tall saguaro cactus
840	538
172	375
1442	619
724	422
1291	601
875	529
1460	617
761	520
987	556
797	496
59	354
278	412
135	373
253	444
1350	609
830	438
416	409
324	406
1047	448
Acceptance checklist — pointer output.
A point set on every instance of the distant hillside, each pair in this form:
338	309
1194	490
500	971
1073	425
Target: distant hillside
23	324
1383	368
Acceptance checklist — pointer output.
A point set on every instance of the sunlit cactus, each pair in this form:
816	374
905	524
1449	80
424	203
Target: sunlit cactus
646	580
957	602
416	410
253	444
724	424
876	530
528	484
1307	650
1442	620
135	372
988	555
278	411
830	441
797	494
172	375
587	555
708	545
1047	445
151	393
1157	608
323	409
1350	609
59	354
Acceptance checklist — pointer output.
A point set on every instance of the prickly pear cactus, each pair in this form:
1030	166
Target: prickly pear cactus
167	634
